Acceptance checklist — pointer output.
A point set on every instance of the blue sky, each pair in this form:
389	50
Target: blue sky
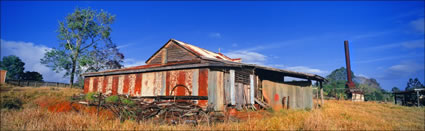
386	38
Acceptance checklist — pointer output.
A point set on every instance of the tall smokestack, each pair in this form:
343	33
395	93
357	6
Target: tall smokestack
349	83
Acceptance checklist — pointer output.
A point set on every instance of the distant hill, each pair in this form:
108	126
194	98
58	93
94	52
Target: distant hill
370	82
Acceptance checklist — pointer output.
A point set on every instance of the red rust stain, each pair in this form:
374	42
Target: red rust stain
126	84
203	86
105	84
167	83
276	97
150	66
86	84
138	85
180	90
95	84
114	85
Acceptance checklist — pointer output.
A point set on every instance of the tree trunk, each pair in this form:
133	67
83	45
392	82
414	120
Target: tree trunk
71	82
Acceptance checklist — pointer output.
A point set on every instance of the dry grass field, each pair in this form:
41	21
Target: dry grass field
334	115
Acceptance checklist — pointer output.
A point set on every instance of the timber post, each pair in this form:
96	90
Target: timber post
321	94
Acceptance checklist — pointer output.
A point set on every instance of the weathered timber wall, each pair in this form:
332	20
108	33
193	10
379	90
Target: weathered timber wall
300	97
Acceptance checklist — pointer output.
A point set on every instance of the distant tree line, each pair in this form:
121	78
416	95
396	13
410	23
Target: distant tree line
15	69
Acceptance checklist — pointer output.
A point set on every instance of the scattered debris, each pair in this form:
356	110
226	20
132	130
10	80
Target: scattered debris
163	111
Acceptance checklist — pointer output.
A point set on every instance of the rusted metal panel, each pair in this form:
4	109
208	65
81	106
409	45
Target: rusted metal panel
120	84
100	83
86	84
138	85
126	84
148	83
95	83
91	84
115	85
132	84
163	83
300	97
158	83
203	86
232	87
219	92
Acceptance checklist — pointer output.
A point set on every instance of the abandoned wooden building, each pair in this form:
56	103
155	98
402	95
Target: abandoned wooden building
212	80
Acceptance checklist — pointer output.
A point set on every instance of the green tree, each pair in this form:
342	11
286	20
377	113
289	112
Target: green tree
79	34
413	84
395	89
13	65
32	75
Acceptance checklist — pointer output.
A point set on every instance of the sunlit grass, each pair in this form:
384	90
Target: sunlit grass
334	115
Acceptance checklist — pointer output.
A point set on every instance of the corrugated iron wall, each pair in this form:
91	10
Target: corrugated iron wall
188	82
300	97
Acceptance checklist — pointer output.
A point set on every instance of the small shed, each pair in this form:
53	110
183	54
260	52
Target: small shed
212	80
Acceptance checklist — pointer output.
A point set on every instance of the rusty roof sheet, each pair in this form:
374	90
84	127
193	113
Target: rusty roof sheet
203	52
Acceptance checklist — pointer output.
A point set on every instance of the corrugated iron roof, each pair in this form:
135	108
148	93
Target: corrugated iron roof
203	52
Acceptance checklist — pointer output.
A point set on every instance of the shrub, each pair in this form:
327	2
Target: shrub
127	102
90	96
112	99
11	103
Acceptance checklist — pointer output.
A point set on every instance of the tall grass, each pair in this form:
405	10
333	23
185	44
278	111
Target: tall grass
334	115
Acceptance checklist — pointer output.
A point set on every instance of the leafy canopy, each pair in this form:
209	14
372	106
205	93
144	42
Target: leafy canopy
83	34
13	65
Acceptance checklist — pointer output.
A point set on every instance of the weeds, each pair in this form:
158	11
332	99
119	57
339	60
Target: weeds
334	115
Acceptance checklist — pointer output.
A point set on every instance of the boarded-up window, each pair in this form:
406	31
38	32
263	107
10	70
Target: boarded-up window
242	76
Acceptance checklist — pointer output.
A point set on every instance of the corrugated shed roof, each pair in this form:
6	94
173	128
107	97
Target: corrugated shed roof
203	52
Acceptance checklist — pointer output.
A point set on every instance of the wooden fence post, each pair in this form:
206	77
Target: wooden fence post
321	94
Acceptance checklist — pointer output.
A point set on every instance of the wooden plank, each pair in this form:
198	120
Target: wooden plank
232	87
251	89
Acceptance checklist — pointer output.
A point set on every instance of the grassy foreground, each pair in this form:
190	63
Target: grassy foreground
334	115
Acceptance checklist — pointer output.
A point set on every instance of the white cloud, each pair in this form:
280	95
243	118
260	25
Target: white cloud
215	35
306	69
129	62
418	25
303	69
248	57
31	54
406	67
414	44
